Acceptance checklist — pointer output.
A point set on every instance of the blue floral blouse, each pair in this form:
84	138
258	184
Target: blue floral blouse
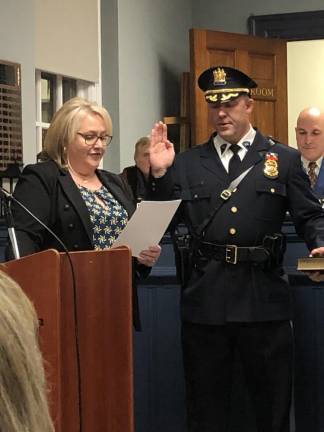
107	220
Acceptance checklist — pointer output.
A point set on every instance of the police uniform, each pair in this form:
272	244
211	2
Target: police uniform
236	296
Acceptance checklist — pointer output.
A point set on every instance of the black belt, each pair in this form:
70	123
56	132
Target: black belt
233	254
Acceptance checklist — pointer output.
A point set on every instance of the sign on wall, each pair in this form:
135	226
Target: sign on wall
10	115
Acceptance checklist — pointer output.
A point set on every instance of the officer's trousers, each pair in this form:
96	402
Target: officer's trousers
265	350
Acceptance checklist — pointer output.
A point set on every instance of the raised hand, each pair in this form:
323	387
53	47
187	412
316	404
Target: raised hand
161	150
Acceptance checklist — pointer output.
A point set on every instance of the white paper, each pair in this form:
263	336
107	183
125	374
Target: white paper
147	225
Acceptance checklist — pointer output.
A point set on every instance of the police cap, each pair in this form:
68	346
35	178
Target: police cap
222	83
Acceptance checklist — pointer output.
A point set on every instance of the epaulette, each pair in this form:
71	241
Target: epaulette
272	141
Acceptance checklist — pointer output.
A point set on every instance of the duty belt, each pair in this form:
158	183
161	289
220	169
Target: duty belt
233	254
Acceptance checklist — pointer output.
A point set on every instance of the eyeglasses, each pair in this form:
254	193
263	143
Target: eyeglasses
91	139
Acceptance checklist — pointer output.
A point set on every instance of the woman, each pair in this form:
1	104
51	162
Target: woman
23	401
86	207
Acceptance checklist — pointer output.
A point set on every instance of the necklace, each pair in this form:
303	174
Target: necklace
90	182
81	177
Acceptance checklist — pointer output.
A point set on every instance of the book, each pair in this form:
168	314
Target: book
311	264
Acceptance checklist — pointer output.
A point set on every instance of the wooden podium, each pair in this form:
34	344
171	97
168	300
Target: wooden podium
85	335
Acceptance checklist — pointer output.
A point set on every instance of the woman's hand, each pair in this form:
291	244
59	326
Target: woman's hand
161	150
149	256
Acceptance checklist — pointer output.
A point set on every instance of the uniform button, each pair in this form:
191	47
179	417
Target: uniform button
232	231
272	190
71	226
196	196
234	209
66	206
76	246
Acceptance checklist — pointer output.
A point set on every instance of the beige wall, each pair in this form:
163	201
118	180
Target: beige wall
305	60
142	70
17	45
66	35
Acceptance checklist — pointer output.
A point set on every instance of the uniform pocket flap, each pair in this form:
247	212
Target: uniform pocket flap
195	192
271	187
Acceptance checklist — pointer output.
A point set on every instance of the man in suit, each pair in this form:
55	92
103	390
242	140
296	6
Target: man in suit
235	192
137	175
310	142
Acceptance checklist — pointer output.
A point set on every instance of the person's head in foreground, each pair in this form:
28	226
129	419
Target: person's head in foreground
23	393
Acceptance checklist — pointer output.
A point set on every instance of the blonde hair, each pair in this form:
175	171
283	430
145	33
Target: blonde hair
65	124
23	400
141	143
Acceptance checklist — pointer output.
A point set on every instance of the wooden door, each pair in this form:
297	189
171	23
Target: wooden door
264	60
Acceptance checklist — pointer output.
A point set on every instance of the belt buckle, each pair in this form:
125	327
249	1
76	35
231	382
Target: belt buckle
225	194
231	254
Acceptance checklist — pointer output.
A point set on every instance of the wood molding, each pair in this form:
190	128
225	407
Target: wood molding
290	26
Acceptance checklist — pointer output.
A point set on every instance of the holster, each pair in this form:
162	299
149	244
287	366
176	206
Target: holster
276	246
184	249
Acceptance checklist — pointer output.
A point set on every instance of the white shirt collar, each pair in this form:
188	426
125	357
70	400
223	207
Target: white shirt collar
305	162
247	139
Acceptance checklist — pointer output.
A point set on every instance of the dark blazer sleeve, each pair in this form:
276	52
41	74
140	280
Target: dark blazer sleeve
35	191
304	207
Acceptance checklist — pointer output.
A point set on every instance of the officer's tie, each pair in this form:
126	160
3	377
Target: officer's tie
312	173
234	162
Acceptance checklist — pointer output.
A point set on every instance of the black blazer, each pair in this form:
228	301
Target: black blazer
243	292
50	193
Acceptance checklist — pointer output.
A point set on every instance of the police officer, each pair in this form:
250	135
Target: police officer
236	189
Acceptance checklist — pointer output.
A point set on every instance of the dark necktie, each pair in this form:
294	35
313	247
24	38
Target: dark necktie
234	162
312	173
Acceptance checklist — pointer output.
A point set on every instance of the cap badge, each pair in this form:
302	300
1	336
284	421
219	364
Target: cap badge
270	169
219	76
